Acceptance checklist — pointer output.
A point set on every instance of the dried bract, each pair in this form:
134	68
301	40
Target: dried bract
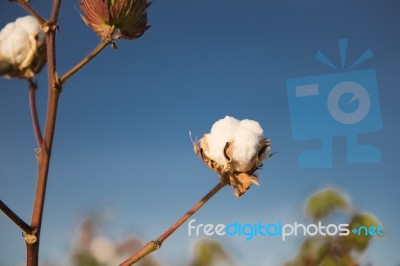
104	17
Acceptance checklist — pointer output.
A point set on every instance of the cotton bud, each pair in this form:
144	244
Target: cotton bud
22	48
106	16
235	150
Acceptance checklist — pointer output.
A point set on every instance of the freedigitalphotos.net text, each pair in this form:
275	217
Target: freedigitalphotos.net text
279	229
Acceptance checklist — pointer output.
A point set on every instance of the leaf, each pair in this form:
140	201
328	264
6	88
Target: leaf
331	260
361	222
313	249
209	252
322	203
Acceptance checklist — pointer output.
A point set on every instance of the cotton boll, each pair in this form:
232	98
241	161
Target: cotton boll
237	164
19	44
245	147
18	38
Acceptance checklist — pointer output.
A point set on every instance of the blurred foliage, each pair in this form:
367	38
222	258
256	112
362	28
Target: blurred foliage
91	248
211	253
322	203
334	250
360	242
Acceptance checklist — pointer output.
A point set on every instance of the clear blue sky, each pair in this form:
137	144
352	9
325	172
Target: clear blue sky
122	130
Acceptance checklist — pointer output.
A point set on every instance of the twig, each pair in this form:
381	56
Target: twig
85	60
31	11
32	104
156	244
54	90
55	10
15	218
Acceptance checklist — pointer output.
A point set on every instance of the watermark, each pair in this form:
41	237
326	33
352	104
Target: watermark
338	104
279	229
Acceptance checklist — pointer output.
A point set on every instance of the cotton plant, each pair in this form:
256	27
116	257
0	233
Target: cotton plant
26	45
233	149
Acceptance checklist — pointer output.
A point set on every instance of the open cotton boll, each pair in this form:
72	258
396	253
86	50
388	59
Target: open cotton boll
245	147
237	162
22	46
222	131
18	38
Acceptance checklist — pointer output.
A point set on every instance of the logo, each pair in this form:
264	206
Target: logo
280	229
338	104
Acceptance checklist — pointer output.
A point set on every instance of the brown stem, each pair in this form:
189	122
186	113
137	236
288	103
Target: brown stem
32	254
85	60
54	90
15	218
31	11
156	244
55	10
32	104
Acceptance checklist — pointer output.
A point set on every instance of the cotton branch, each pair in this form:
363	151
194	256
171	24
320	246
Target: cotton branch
156	244
15	218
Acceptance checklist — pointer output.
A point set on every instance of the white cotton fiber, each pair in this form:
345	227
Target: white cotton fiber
222	131
254	126
29	24
19	40
245	136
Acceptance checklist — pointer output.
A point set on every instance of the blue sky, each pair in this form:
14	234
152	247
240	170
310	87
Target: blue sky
122	130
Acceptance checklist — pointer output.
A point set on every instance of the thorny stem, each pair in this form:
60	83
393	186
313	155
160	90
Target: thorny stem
86	60
54	90
32	104
31	11
156	244
15	218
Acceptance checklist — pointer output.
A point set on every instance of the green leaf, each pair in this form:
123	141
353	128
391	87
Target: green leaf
209	252
331	260
322	203
362	223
